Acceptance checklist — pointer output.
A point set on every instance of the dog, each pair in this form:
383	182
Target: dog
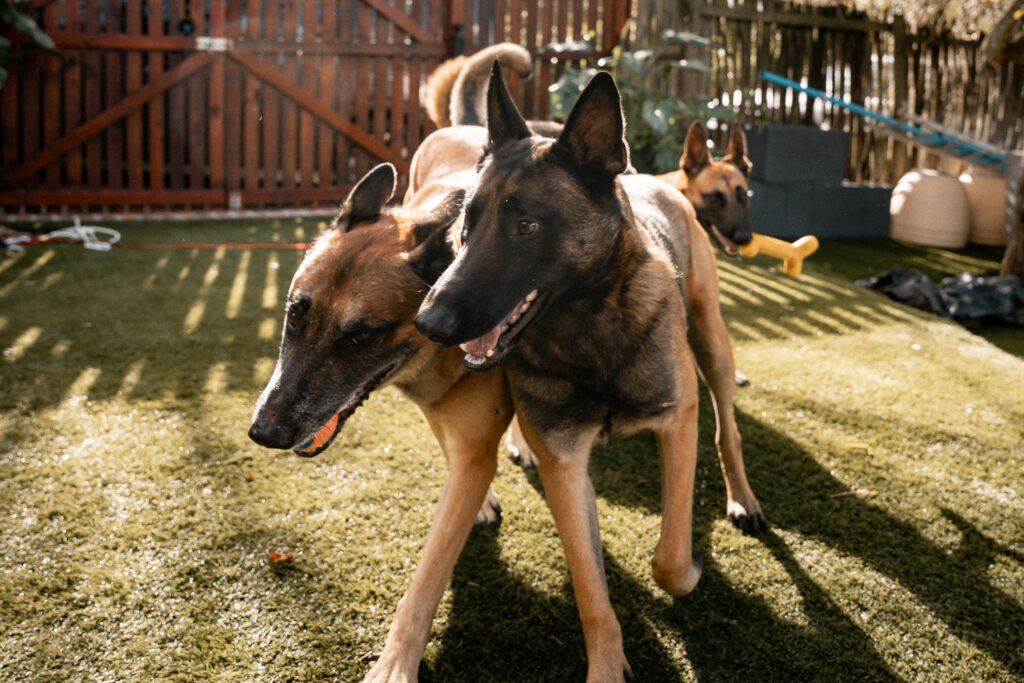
596	290
348	330
718	189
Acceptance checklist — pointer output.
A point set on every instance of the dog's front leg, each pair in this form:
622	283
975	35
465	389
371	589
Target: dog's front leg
673	565
570	496
468	425
709	340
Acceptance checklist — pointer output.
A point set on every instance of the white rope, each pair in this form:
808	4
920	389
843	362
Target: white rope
89	235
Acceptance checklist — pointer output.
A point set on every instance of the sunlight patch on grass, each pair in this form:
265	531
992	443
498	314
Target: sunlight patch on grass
270	295
234	304
25	274
24	341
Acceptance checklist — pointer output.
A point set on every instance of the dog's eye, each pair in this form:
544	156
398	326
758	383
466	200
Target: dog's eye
741	195
296	312
715	198
359	334
361	337
527	227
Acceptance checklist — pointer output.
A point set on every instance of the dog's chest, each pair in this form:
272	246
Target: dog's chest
619	379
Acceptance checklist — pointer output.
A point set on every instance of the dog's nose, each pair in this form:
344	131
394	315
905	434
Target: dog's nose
437	324
270	435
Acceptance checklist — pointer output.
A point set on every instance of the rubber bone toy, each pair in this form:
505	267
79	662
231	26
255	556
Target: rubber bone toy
792	255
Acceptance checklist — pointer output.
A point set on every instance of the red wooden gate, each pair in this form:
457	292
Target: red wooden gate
243	103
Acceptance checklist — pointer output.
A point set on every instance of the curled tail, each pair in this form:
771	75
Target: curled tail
456	92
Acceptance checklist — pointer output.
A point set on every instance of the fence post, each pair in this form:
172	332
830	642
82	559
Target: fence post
901	76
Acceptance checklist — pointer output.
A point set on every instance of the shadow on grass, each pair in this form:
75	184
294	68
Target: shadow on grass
727	631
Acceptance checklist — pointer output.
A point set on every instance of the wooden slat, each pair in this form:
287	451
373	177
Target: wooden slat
113	198
215	98
289	110
326	91
343	164
75	40
271	100
9	95
156	108
233	102
133	81
252	114
341	48
29	123
72	109
111	115
402	20
51	96
320	109
114	77
311	33
396	125
360	162
176	124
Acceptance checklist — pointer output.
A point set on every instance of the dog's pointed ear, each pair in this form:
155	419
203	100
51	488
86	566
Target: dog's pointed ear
594	134
368	197
440	218
696	155
737	151
504	122
433	255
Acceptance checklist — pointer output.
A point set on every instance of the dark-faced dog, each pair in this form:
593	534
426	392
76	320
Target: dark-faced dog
597	291
718	189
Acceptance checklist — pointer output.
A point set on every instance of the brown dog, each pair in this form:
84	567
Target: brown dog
718	189
597	290
349	330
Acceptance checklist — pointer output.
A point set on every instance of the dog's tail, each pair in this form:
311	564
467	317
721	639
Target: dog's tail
456	92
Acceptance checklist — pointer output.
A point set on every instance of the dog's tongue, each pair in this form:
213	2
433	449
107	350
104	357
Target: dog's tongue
481	345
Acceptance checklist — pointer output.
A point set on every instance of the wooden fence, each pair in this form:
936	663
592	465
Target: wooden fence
245	103
880	65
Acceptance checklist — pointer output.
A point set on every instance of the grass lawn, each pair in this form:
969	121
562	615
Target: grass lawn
886	447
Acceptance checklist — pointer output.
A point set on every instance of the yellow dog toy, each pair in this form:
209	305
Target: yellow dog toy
792	255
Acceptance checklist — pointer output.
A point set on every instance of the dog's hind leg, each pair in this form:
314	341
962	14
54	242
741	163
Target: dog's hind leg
520	451
570	496
468	423
709	340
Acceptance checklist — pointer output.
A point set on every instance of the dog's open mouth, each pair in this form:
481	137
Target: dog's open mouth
325	437
727	245
487	351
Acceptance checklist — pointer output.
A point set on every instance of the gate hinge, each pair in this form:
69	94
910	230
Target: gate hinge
213	44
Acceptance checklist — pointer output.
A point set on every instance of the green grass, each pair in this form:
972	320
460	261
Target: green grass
885	446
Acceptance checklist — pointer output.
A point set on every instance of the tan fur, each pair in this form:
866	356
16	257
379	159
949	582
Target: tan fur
700	177
465	77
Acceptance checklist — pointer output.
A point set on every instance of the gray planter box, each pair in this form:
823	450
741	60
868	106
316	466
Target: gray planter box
794	154
841	209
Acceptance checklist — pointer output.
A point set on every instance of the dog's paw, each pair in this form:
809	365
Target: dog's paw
387	670
490	511
746	516
521	453
741	379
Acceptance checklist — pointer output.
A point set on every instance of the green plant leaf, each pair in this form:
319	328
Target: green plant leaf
722	113
697	65
578	46
24	24
688	38
655	117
